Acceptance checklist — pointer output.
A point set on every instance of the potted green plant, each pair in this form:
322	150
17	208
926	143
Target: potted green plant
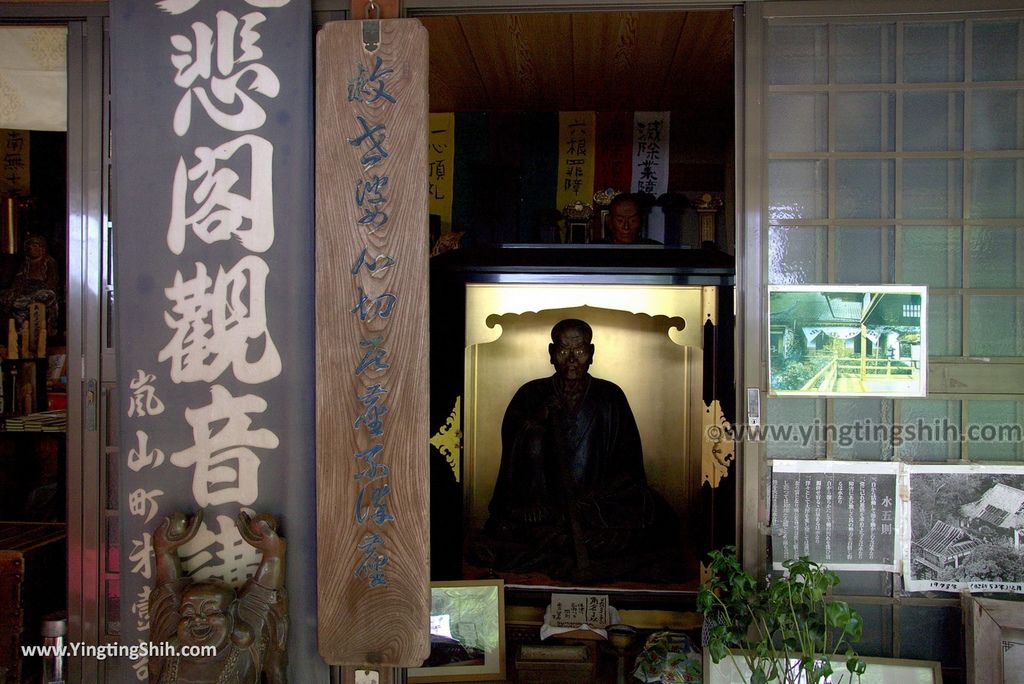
787	630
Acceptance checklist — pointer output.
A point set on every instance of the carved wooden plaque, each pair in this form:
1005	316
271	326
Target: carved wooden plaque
371	343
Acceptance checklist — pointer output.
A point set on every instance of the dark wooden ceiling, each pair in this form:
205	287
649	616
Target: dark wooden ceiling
602	61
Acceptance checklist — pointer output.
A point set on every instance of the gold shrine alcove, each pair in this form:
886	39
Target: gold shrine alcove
662	331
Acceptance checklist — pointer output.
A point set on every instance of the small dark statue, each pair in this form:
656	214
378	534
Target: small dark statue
572	500
249	627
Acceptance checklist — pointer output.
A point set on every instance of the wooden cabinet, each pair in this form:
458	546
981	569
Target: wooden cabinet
33	417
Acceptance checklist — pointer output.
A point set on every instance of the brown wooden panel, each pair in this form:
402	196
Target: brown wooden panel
587	61
12	614
525	59
372	616
455	83
622	60
386	9
704	58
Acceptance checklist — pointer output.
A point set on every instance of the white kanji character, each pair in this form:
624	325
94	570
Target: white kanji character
231	559
182	6
140	501
217	329
144	400
195	60
142	555
220	213
141	457
140	608
225	466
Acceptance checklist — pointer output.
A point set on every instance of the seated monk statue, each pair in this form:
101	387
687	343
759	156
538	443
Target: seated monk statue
571	499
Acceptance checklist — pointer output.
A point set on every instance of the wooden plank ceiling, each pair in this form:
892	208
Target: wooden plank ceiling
602	61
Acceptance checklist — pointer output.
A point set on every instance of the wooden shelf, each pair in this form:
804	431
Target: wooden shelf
24	537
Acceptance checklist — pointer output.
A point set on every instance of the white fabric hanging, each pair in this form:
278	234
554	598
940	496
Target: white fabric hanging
842	332
33	78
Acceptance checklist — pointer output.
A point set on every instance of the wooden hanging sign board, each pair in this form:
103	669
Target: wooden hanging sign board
373	588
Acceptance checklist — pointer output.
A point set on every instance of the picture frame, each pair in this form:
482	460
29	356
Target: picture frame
879	671
959	532
847	340
994	639
467	633
821	490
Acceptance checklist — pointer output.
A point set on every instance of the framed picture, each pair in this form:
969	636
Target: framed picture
467	633
879	671
995	640
847	340
844	514
963	528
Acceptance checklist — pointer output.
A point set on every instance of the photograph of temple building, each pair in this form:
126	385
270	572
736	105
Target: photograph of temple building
967	527
848	342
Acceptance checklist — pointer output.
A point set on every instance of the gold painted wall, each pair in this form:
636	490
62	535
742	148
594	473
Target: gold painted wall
636	346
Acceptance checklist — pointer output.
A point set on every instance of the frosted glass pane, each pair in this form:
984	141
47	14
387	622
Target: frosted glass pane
798	122
932	188
797	190
861	418
928	633
933	120
997	326
797	255
864	583
933	52
930	430
994	429
864	254
799	414
994	189
944	325
996	50
875	638
996	256
865	122
866	53
797	54
865	188
931	255
996	119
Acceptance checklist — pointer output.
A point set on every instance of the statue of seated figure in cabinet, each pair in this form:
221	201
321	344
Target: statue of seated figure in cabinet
571	498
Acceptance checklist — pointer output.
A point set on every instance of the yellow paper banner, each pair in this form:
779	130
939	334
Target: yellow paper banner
575	158
441	156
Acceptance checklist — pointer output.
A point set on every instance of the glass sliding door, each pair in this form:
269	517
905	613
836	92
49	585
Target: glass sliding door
54	489
888	149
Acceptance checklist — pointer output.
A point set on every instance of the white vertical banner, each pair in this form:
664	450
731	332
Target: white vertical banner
650	163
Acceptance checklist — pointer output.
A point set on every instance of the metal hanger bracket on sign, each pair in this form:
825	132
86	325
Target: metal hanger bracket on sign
371	27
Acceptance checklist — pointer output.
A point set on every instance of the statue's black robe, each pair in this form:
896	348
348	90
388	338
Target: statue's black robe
571	499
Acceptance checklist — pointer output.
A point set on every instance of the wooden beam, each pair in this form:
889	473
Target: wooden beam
387	9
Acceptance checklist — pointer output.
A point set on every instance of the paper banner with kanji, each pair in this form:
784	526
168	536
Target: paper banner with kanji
441	159
575	180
